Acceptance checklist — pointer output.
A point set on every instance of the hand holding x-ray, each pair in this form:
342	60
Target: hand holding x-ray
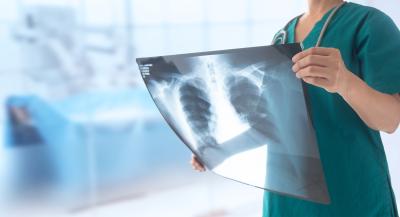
243	114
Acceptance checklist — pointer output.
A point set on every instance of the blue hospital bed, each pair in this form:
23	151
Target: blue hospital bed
103	139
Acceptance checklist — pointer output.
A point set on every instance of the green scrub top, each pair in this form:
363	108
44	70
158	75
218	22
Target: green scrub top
352	154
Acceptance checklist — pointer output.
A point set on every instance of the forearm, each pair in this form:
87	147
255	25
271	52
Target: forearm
378	110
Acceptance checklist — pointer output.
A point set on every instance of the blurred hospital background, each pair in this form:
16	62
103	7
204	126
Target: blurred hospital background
79	134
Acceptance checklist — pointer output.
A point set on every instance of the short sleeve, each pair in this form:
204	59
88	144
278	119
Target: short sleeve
378	51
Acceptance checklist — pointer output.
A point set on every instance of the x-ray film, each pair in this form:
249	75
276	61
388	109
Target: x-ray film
244	114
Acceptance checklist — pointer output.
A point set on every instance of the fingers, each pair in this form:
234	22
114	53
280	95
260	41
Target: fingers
196	164
317	76
321	51
321	67
313	71
319	82
316	60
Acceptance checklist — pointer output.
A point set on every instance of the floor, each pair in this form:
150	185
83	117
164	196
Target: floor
210	197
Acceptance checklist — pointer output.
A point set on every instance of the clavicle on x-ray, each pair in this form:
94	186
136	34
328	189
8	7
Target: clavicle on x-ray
243	113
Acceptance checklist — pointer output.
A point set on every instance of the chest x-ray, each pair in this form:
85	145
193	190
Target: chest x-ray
243	113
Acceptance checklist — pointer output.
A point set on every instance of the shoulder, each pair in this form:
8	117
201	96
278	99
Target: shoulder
285	29
359	9
367	22
367	15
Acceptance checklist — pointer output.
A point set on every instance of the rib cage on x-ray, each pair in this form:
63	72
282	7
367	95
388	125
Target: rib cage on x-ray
245	96
196	105
243	114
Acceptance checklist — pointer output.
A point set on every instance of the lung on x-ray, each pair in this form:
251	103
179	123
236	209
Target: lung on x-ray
244	114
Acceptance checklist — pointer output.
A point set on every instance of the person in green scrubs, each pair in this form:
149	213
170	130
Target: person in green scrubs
352	82
353	85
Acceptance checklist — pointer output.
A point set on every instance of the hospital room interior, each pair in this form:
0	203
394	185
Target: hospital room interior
80	135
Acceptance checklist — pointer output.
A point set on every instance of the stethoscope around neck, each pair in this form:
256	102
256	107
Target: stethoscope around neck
282	36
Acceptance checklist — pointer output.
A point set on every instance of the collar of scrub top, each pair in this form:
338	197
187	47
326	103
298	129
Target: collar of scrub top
281	36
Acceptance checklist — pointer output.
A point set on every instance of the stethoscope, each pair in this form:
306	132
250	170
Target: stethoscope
282	36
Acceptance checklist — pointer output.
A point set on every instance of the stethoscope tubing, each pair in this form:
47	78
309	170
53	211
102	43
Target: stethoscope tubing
281	36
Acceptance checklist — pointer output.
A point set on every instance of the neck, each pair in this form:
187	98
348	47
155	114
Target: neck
317	8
